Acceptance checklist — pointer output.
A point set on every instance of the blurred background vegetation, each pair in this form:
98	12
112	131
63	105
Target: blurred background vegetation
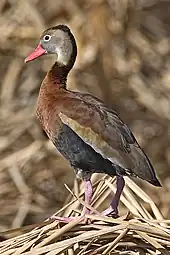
123	58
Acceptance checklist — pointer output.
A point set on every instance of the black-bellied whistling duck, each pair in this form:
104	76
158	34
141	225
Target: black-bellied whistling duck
84	130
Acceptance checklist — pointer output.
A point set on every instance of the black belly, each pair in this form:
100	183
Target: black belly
81	155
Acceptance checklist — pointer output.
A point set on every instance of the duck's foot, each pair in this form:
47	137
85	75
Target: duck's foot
65	219
110	212
82	218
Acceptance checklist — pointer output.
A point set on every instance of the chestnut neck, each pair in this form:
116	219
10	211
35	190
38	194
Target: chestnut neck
58	73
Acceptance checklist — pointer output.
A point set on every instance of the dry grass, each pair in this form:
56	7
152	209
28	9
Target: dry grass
138	232
124	59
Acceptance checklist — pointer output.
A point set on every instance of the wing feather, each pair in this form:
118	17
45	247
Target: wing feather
105	132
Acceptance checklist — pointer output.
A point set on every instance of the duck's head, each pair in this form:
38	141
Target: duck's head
56	40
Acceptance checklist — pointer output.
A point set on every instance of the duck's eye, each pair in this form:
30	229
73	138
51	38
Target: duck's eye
46	38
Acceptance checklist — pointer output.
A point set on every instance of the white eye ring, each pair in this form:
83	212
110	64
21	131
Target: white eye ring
46	38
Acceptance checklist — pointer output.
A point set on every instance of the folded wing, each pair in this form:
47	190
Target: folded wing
102	129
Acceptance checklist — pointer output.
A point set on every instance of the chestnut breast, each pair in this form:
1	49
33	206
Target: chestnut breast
48	107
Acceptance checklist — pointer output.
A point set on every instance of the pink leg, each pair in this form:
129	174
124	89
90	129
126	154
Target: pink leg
88	195
113	209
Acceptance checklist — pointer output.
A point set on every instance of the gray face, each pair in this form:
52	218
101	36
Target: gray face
57	42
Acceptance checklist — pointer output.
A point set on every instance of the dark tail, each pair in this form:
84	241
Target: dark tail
143	166
155	182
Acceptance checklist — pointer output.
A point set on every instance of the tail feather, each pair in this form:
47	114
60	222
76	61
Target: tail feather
143	167
155	182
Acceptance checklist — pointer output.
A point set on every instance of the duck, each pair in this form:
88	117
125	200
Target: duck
87	133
